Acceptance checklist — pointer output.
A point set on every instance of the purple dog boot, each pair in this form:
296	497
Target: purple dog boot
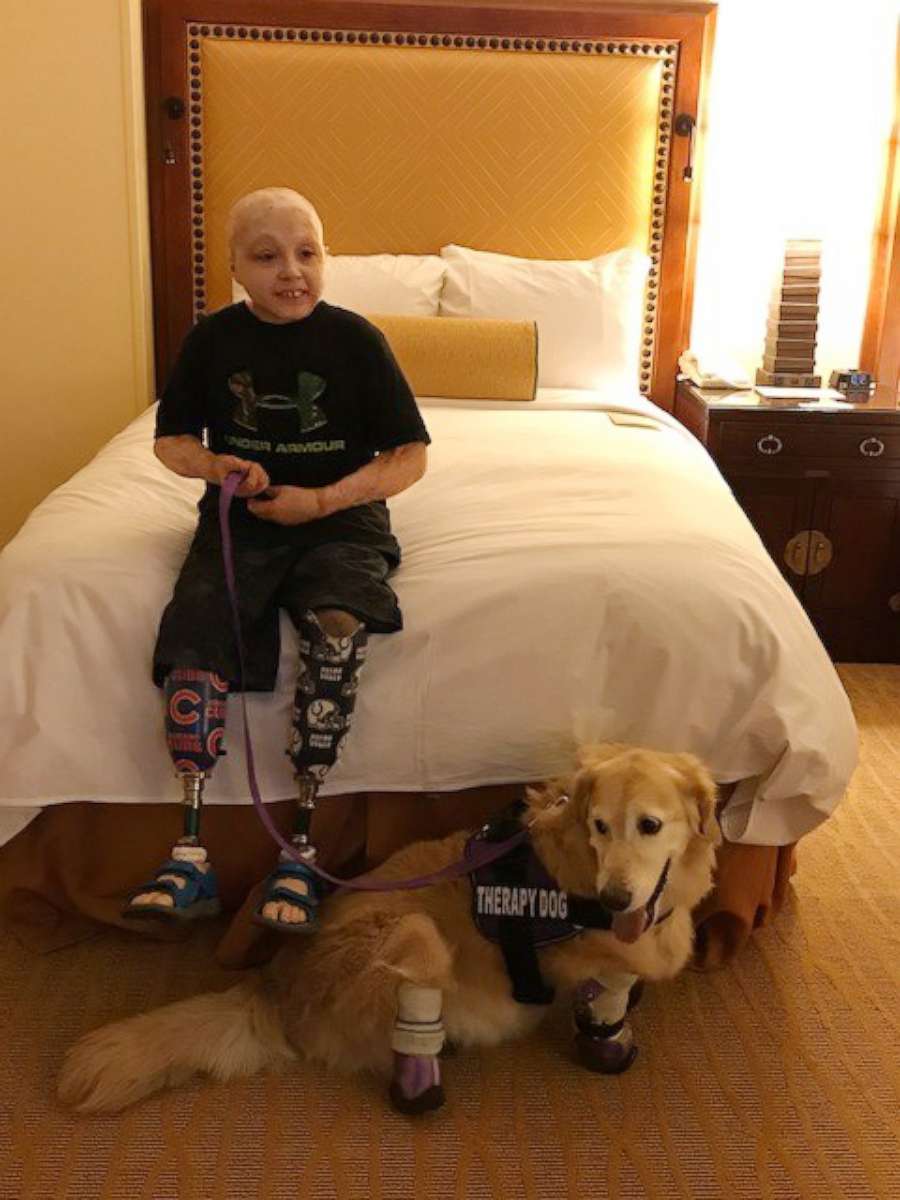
603	1054
416	1086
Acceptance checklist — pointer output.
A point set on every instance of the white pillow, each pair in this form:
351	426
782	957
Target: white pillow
409	284
588	312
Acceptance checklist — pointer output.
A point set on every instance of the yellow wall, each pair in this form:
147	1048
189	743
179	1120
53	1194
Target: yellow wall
75	304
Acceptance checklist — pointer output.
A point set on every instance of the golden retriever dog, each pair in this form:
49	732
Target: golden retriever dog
630	835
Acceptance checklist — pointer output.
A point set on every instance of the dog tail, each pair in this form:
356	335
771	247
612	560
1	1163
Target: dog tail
224	1034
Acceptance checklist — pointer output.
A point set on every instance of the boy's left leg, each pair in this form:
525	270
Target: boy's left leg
336	595
332	650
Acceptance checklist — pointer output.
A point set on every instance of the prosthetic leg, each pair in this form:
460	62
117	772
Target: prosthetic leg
604	1040
185	886
331	656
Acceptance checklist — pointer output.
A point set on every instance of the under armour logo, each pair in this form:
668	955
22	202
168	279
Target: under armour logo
309	388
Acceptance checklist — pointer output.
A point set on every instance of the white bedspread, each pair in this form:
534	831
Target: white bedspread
564	576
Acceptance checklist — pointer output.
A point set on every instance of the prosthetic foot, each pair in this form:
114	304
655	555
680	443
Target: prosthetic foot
327	680
417	1040
604	1041
185	886
291	895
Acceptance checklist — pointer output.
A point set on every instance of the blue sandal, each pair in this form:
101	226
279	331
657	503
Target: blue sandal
308	904
199	897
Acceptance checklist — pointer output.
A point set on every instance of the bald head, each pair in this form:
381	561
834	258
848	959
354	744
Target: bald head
277	255
248	213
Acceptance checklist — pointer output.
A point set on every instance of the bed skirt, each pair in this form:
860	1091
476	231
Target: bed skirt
64	877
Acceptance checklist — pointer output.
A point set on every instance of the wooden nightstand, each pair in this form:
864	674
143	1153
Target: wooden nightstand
821	484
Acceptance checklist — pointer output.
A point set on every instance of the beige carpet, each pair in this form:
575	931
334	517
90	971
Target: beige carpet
777	1078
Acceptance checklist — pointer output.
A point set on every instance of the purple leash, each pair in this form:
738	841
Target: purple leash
480	855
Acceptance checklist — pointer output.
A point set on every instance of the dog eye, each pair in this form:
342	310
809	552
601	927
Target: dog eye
601	826
649	825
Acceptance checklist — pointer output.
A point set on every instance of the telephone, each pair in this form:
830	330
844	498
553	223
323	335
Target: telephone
719	375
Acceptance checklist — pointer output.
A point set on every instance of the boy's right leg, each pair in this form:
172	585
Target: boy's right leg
195	654
185	886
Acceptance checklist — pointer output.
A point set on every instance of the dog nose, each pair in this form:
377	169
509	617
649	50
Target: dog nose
616	899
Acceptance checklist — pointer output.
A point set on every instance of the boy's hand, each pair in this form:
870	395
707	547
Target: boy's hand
255	482
289	505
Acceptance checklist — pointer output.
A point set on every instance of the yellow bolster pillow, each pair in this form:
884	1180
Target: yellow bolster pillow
464	357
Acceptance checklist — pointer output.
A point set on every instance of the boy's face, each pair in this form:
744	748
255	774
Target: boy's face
279	259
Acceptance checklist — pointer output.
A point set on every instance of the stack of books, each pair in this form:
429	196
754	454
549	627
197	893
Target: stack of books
789	357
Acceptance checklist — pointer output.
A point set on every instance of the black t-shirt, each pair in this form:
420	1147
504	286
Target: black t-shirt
312	400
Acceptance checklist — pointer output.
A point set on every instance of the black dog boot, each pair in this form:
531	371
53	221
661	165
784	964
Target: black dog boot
606	1046
605	1054
416	1085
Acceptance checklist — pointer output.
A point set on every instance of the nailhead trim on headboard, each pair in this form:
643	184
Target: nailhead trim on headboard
667	52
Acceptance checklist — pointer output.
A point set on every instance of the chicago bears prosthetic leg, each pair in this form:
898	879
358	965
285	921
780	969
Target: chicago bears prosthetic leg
185	886
332	652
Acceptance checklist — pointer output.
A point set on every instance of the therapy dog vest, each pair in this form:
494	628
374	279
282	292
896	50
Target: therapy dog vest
517	904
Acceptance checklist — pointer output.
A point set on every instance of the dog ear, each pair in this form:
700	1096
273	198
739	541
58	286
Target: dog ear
582	789
546	802
700	796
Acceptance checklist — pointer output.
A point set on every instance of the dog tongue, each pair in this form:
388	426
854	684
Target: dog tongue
629	926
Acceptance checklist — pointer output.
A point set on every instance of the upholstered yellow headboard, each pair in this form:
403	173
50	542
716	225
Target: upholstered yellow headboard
408	139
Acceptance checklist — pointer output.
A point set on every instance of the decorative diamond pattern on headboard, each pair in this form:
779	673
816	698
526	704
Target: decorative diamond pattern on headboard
544	149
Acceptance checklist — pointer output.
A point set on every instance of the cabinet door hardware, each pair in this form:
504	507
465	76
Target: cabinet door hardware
796	552
809	552
821	552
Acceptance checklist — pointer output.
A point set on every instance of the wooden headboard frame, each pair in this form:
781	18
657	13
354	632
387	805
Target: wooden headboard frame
680	36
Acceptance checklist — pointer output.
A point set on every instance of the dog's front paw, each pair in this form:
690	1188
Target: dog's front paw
606	1055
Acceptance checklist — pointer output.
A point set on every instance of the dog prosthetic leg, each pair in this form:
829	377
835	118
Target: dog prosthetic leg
196	702
604	1040
417	1039
327	680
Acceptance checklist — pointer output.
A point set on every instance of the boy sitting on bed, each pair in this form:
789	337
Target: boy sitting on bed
309	402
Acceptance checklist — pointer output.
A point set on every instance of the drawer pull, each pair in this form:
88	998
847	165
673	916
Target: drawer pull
894	602
770	444
871	447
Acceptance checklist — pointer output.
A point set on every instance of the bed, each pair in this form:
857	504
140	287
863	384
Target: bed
574	566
